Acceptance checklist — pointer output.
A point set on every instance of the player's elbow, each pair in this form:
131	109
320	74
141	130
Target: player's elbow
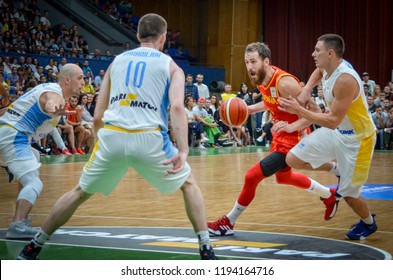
332	124
177	108
97	121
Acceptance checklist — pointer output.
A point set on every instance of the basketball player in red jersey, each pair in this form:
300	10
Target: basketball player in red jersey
287	130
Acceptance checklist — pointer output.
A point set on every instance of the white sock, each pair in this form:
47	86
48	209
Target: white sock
204	238
57	138
334	169
236	212
41	237
319	189
369	220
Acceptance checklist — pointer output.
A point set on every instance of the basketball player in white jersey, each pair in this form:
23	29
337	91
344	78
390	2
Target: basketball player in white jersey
347	134
32	115
131	125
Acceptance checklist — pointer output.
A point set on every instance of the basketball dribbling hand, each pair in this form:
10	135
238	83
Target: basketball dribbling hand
178	162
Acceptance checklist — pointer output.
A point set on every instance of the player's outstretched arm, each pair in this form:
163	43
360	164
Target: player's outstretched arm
54	104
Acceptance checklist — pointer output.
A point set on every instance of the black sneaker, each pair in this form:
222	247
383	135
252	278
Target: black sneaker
207	253
10	175
30	252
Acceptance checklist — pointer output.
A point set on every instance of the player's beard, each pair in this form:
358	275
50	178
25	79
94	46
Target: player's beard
258	78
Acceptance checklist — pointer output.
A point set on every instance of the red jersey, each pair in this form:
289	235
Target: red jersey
71	117
283	141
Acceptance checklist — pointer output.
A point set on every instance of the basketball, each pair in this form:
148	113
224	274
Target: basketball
233	112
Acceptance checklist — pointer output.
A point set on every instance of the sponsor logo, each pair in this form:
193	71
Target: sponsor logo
130	100
273	92
378	191
245	244
346	132
13	112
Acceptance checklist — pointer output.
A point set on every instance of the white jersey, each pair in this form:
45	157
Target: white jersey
357	122
139	98
26	115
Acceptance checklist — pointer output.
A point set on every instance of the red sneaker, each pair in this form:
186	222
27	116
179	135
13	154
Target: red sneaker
56	150
66	152
331	204
80	151
221	227
74	151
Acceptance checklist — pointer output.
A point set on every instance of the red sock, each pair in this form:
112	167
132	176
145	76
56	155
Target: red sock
253	177
293	178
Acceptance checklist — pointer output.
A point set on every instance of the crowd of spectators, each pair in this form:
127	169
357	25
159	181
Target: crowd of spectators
120	11
26	31
380	107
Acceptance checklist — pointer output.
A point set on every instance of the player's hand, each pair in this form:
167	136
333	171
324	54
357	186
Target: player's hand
281	126
313	106
289	105
178	162
60	111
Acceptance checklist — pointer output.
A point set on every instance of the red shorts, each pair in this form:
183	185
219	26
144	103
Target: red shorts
284	142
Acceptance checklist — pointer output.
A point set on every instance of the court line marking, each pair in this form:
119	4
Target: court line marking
387	255
131	249
187	221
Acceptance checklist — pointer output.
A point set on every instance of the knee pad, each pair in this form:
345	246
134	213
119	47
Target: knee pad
32	186
273	163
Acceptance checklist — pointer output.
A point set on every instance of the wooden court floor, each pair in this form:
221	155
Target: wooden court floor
219	173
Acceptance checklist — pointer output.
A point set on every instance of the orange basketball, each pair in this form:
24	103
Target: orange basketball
233	112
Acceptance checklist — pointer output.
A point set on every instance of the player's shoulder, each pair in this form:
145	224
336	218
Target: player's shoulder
288	85
346	79
288	79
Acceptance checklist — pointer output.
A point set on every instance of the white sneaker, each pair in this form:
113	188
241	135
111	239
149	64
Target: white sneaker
260	139
21	230
201	147
204	139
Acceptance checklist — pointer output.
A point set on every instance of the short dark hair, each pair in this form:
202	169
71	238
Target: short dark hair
335	42
262	49
151	26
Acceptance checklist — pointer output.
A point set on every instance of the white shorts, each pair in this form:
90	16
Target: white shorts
116	151
16	152
353	156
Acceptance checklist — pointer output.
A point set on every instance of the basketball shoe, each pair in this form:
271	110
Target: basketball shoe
77	151
30	252
66	152
361	230
21	230
80	151
331	204
10	174
207	253
56	151
221	227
